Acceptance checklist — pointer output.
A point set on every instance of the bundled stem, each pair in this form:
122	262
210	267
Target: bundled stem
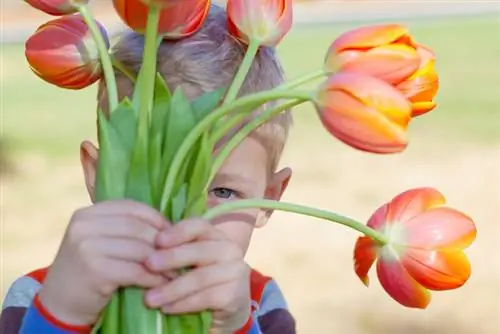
298	209
244	132
207	122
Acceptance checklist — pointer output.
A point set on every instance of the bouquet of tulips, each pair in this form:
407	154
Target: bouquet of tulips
157	146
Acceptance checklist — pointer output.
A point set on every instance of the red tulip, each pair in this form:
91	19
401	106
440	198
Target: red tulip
422	86
266	21
364	112
178	19
425	247
57	7
384	51
62	52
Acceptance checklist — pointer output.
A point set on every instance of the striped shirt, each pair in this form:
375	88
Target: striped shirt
22	313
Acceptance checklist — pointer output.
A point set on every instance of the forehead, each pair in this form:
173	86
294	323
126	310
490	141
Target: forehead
248	162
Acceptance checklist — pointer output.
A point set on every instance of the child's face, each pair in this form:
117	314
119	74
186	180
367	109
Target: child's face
245	174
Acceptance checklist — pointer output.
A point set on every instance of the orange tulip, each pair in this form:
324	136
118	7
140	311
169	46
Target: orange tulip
364	112
177	19
425	247
422	86
63	53
384	51
57	7
266	21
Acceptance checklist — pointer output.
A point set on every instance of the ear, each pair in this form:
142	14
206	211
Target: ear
89	155
276	187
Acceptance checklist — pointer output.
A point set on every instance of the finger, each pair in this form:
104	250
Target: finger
127	208
213	298
119	249
188	230
116	227
111	274
200	253
195	281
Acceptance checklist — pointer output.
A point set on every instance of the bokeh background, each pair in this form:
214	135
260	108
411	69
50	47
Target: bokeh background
455	149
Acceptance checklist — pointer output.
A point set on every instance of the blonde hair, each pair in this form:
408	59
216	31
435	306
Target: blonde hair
206	61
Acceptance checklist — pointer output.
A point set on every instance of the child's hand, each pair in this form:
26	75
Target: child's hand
104	248
220	280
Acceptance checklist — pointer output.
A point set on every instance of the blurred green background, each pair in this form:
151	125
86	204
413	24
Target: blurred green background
456	148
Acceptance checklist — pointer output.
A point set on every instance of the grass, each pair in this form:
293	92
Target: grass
52	121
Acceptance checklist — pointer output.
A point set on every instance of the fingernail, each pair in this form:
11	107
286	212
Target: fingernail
154	297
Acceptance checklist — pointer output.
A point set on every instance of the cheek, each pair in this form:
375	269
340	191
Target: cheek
238	226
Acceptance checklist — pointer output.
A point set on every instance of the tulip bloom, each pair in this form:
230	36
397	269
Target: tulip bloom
178	19
62	52
422	86
425	247
364	112
386	51
266	21
57	7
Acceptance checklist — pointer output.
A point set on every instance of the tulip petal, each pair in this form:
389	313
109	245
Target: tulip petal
360	126
378	218
375	93
439	228
412	203
266	21
420	108
391	63
365	254
398	283
437	270
368	37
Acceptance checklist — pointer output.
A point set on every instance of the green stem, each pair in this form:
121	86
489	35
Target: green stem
239	79
148	68
102	48
295	208
303	79
192	137
244	132
122	68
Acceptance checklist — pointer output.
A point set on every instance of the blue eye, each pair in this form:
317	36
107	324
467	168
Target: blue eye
223	193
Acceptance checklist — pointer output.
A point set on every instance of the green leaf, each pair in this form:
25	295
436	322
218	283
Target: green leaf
206	103
139	181
180	122
178	204
199	173
113	163
161	108
124	120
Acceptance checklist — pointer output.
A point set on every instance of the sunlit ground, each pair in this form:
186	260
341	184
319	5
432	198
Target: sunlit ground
455	149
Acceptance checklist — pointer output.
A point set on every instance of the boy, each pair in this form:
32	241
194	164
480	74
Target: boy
122	243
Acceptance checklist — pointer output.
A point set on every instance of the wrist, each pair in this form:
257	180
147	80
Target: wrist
60	313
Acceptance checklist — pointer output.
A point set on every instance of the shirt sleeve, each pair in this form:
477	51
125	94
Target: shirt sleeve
22	312
272	315
17	301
